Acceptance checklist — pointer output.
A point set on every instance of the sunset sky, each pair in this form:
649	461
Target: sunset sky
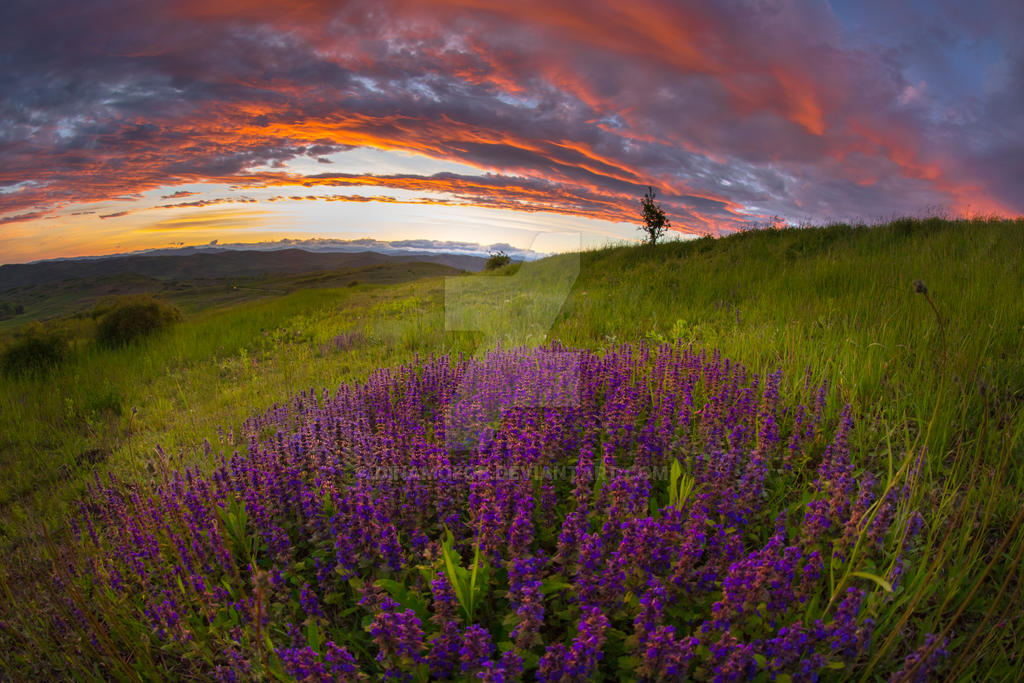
129	125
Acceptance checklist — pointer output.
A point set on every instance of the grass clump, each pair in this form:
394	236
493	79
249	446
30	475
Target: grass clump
35	349
132	318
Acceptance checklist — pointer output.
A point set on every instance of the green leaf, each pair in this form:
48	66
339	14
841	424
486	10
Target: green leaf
406	598
235	519
276	666
680	484
882	583
451	567
802	502
685	488
835	665
449	542
395	590
600	477
812	607
652	507
674	473
627	664
473	577
428	573
615	635
313	636
554	584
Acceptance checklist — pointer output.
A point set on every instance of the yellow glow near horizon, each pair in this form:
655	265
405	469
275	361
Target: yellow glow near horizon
140	225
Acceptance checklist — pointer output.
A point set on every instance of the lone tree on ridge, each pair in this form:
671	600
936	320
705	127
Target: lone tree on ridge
655	220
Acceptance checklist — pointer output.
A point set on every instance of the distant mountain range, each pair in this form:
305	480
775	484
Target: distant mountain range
321	244
219	262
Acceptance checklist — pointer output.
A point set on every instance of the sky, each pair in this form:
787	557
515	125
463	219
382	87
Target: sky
137	124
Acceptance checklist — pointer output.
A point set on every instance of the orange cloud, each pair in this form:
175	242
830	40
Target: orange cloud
222	219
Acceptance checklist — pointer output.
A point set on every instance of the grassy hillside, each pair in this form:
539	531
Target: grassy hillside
196	288
187	264
917	325
109	408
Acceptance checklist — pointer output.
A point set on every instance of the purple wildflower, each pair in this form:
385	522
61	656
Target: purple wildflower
476	648
923	661
525	596
398	635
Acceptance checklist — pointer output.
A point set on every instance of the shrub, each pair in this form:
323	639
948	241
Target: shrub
36	348
9	310
497	259
134	317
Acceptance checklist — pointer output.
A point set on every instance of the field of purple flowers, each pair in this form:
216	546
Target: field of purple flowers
650	513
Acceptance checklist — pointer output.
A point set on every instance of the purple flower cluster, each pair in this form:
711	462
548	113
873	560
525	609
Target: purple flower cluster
324	535
305	664
398	635
526	598
922	661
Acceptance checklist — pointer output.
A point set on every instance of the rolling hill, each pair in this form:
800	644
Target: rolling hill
213	265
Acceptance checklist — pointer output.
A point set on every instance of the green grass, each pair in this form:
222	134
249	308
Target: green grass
840	304
108	409
835	304
46	302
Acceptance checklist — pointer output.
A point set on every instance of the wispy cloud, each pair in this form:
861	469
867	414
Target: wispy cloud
221	219
28	216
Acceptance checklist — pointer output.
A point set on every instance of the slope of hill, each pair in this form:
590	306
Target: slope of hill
78	296
217	265
917	326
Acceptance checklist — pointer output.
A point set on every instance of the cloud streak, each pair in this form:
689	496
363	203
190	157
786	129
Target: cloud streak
731	110
222	219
